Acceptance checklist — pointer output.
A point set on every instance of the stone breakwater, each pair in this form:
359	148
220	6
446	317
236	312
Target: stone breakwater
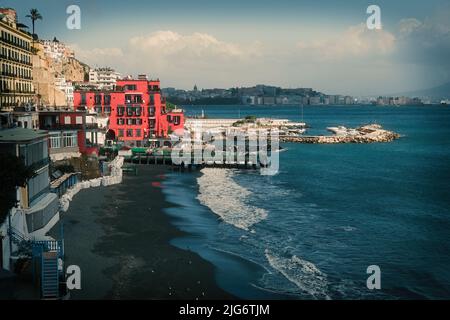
365	134
114	178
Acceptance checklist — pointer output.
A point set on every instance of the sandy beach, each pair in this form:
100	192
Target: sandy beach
119	236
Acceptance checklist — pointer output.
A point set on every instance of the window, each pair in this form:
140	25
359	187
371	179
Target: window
120	110
138	132
67	120
98	109
130	87
79	120
176	120
98	99
34	153
151	111
107	99
138	111
129	111
70	140
129	132
120	121
120	132
38	185
138	122
83	98
55	141
107	109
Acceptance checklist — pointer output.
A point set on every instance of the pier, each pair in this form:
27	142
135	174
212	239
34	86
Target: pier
166	160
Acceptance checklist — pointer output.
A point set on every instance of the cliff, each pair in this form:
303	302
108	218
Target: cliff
45	72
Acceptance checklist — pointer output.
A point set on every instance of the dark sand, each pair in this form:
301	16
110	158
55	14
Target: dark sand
119	236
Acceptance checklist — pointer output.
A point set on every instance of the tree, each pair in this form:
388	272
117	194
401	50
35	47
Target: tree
14	174
34	15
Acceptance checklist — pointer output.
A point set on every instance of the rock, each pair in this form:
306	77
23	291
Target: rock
366	134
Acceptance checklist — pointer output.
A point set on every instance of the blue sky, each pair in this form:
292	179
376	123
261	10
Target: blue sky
319	44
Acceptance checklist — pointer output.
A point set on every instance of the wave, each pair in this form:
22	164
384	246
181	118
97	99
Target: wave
226	198
304	274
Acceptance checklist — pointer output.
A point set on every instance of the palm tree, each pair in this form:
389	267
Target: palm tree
34	15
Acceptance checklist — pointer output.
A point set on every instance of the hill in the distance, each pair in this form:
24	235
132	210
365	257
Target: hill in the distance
439	92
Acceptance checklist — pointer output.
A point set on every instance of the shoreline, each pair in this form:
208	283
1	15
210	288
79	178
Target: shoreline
205	229
126	251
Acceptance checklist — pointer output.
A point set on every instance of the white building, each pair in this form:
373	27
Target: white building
102	122
57	50
67	88
38	209
105	78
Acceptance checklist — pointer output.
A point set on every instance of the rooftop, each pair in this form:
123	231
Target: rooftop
21	135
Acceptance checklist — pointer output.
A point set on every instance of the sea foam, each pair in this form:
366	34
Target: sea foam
304	274
226	198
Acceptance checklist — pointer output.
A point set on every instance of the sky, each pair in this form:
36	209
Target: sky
324	45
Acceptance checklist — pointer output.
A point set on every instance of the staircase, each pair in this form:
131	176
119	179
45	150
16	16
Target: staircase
24	244
45	254
49	275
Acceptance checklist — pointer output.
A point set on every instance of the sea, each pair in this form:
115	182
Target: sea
332	211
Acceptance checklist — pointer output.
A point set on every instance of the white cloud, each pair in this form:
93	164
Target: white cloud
407	26
99	57
169	44
355	41
96	54
179	58
427	43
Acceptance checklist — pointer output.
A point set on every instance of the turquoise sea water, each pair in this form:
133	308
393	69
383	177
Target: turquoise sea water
332	210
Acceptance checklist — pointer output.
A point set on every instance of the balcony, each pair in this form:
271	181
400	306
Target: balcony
42	212
20	61
16	76
40	164
91	126
25	47
61	127
18	92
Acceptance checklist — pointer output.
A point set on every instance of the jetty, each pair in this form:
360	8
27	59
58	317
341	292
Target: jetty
166	160
366	134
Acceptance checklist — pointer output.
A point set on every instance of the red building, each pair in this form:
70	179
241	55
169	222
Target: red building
69	133
137	112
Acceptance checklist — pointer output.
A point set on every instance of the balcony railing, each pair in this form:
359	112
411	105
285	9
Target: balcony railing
11	42
39	164
15	75
62	127
9	58
91	126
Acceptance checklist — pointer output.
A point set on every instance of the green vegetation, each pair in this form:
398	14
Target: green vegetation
64	168
34	15
170	106
14	174
246	120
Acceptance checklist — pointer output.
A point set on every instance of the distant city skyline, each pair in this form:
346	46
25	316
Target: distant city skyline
325	46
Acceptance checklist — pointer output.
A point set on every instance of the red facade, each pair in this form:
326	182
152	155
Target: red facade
65	123
135	108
